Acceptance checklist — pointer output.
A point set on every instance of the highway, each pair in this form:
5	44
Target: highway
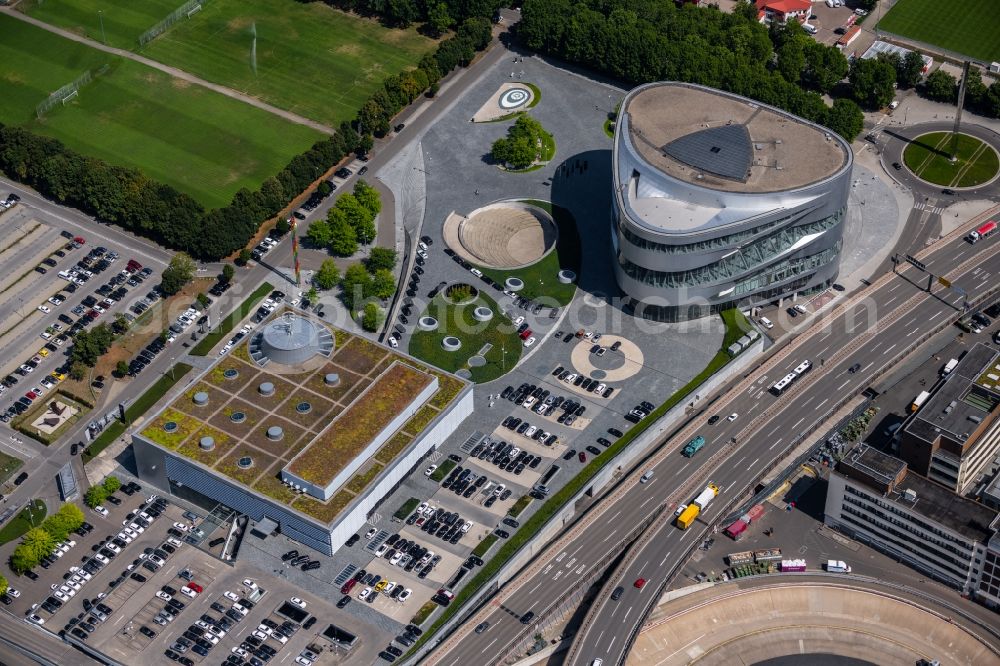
870	332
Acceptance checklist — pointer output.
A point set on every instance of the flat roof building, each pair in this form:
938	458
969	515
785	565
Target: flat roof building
722	201
303	426
874	498
955	436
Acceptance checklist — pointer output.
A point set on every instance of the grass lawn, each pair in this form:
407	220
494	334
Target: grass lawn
235	317
969	27
198	141
124	20
21	523
928	158
311	59
437	476
8	465
540	278
457	320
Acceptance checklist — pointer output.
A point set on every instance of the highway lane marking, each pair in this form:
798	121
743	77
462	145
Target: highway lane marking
610	534
776	442
569	565
646	502
561	556
580	569
808	401
912	332
822	403
875	346
546	569
485	648
536	586
846	382
665	558
755	462
614	516
558	573
868	366
612	642
626	614
599	637
793	427
935	315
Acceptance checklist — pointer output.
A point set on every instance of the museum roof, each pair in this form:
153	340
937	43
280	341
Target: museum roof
723	141
310	413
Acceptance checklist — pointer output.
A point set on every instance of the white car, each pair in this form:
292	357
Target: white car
239	652
732	417
518	321
156	560
249	583
181	526
113	548
298	602
404	595
35	619
363	595
279	637
259	635
430	470
188	592
530	431
381	550
393	343
396	558
218	633
44	308
137	528
73	585
467	526
174	542
530	341
62	596
231	596
214	640
204	625
476	272
801	309
242	610
163	595
13	593
101	510
302	661
370	534
102	559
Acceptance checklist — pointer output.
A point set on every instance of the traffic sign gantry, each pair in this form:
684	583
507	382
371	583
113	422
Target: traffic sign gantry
916	262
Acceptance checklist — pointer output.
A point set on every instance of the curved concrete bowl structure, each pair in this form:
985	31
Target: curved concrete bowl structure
427	324
451	343
482	313
504	235
868	622
567	276
514	283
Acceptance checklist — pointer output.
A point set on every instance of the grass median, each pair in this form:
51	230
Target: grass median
736	326
438	475
30	516
236	316
135	410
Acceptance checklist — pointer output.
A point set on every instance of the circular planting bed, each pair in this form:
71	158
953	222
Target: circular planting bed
461	293
929	158
427	324
482	350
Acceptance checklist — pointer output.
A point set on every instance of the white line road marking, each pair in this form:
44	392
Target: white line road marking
626	614
599	637
536	586
558	573
561	556
822	403
610	534
797	423
846	382
546	569
890	349
868	366
755	462
646	502
776	442
935	315
484	649
580	569
569	565
615	516
611	642
875	346
912	332
664	559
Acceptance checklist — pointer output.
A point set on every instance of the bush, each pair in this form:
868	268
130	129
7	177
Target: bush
372	317
111	484
3	586
381	257
95	496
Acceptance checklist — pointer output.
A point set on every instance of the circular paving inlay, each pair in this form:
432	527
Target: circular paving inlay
616	366
513	98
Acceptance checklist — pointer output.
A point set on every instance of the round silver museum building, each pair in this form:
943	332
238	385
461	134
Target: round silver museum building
720	201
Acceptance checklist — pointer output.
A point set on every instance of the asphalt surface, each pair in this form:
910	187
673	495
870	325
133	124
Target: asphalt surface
898	303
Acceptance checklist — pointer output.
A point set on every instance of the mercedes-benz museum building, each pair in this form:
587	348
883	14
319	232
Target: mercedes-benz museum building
720	201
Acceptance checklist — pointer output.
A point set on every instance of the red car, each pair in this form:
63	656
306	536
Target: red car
30	395
639	582
348	586
582	456
525	334
196	587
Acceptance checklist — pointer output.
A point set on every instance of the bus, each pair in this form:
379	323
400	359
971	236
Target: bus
982	232
791	377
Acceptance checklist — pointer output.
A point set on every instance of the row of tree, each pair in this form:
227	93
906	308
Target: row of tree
941	86
41	541
639	41
437	16
128	198
349	223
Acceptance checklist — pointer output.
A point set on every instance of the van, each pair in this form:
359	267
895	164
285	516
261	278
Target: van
811	29
597	662
646	477
766	323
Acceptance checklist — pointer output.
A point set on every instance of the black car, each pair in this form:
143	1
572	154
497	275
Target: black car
615	432
344	600
503	534
309	623
528	617
712	420
138	577
353	540
309	566
146	631
399	128
114	500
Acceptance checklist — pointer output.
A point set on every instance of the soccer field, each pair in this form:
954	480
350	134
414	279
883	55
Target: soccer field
968	27
198	141
310	59
124	20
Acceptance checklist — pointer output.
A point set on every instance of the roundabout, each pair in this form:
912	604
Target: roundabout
927	157
894	142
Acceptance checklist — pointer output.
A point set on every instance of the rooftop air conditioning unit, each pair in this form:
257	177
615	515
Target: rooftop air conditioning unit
910	495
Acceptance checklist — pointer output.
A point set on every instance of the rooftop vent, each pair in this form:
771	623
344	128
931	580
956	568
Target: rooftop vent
715	149
910	495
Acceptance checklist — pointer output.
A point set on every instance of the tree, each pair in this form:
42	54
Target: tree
324	188
343	237
872	82
365	232
368	197
825	66
228	273
73	514
356	285
4	585
312	295
95	496
940	86
359	217
36	544
909	70
111	484
845	118
319	234
328	275
244	257
792	60
365	143
77	370
202	299
283	226
372	317
57	526
438	19
383	284
381	257
121	368
178	273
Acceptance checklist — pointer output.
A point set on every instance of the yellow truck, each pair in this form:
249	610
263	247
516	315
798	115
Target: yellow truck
689	513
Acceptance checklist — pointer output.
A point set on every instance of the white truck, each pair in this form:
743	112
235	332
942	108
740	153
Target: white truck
837	566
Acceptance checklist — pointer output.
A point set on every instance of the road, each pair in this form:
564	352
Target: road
871	332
